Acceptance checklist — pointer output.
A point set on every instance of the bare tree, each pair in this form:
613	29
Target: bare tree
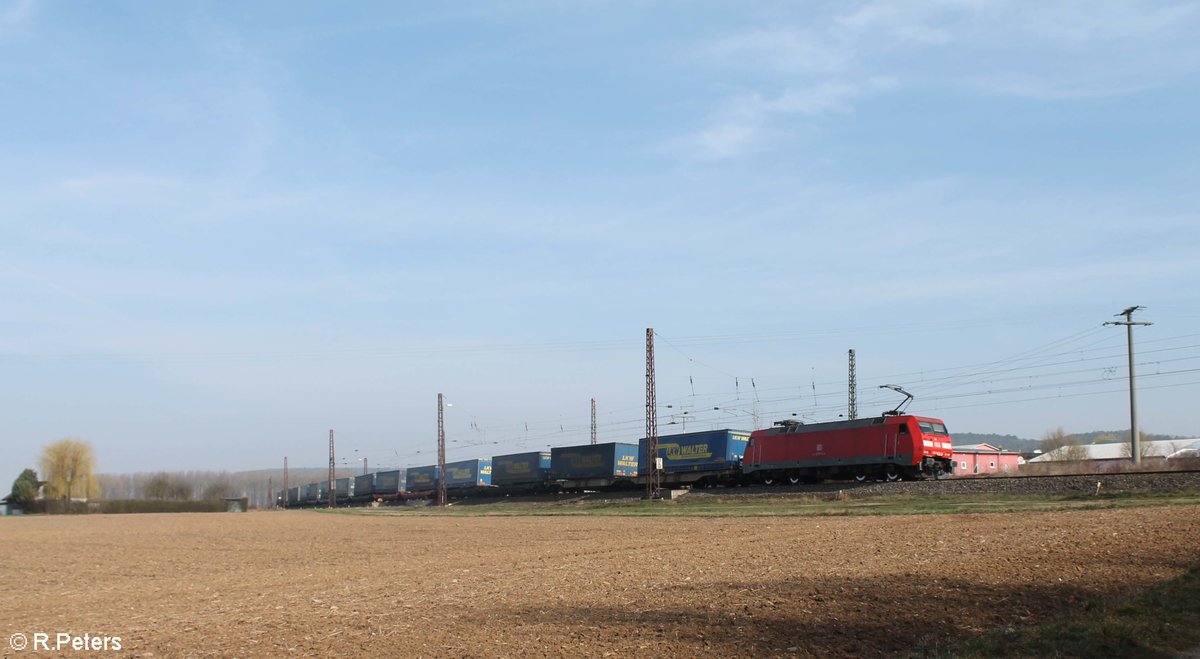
1145	449
67	466
1074	451
163	485
158	486
181	490
1054	440
1061	446
216	490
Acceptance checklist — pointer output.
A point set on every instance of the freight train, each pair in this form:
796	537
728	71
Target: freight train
889	447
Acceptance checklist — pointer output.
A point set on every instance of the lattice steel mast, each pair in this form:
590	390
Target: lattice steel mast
441	467
852	408
593	421
653	478
332	478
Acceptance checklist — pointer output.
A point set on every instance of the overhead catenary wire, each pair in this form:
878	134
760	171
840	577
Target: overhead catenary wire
514	347
1031	353
630	424
701	416
1046	367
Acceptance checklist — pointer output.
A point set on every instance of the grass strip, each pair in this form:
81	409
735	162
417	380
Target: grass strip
788	506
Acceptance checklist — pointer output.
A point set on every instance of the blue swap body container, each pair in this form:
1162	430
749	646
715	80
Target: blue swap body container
389	482
709	450
364	485
421	478
469	473
521	468
610	460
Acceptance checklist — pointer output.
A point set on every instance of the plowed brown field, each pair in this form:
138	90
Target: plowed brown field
309	583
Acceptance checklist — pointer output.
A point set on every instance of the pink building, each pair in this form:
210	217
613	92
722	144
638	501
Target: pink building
984	459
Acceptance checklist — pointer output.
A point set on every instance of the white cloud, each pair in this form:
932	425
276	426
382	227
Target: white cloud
920	23
722	141
1035	87
1083	24
828	61
828	96
779	49
118	188
751	122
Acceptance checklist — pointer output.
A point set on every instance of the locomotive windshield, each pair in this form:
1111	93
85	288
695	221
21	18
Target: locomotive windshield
932	427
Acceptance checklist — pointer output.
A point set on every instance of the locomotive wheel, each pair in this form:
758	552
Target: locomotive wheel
794	480
769	480
862	478
891	473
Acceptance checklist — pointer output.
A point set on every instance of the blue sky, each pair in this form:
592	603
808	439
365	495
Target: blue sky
228	228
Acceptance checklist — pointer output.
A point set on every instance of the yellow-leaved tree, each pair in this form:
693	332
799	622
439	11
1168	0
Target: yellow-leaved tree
67	466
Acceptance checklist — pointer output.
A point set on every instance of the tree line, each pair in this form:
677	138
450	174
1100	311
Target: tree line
207	485
1073	447
66	473
67	467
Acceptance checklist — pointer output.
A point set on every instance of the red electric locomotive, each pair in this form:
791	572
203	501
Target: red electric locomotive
892	446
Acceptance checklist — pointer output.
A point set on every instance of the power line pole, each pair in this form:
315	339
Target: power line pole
852	410
332	478
271	491
1135	442
286	493
441	466
653	478
593	421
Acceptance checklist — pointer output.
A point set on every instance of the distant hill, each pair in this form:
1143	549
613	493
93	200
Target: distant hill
1114	436
1006	442
1014	443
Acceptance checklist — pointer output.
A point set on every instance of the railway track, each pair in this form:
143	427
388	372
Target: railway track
1056	484
1156	481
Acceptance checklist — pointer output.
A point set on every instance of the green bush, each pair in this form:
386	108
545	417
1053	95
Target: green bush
24	489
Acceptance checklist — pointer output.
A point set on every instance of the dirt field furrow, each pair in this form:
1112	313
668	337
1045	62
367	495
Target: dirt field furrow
310	583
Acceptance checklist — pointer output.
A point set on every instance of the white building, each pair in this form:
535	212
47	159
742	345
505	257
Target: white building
1118	452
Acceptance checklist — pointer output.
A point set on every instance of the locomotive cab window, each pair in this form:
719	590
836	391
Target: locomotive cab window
932	427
